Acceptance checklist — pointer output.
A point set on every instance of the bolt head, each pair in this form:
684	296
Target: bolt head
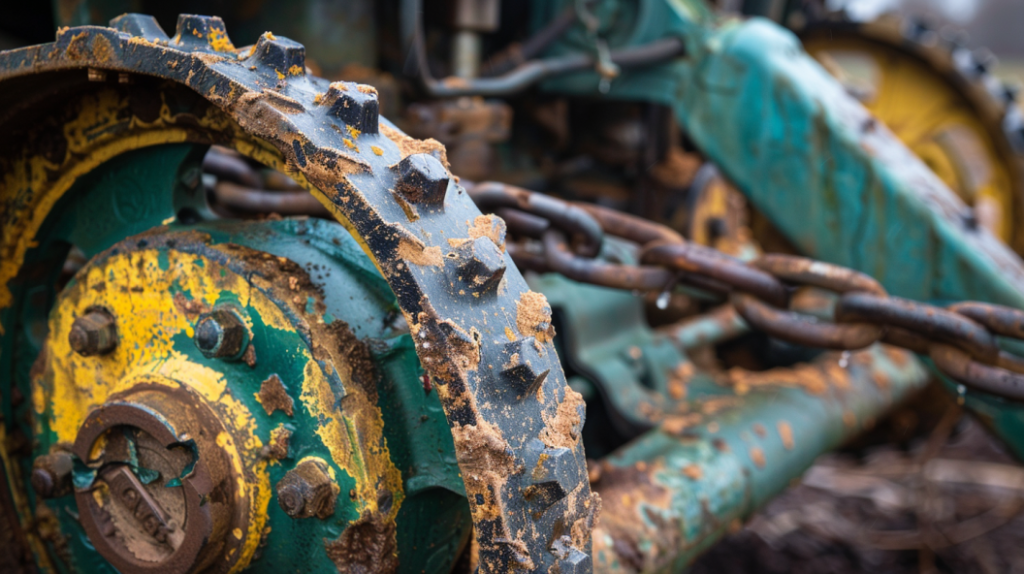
221	334
51	475
94	333
422	179
307	490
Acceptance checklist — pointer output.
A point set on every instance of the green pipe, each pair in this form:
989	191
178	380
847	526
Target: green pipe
677	489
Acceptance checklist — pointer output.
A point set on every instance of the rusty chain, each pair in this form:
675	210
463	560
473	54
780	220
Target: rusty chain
961	340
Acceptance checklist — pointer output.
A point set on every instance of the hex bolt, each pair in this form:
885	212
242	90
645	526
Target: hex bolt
94	333
307	490
481	265
422	179
221	334
51	475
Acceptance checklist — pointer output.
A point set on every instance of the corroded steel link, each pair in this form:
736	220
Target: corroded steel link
700	260
522	223
804	329
630	227
804	271
931	322
1000	320
562	214
561	259
516	428
961	340
960	366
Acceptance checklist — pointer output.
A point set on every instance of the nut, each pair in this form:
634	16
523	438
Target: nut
307	490
221	334
93	333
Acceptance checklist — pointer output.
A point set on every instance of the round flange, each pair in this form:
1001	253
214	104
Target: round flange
154	465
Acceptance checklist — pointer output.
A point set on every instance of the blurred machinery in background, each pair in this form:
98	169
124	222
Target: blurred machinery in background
283	299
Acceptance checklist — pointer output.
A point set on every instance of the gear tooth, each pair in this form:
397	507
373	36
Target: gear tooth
422	179
1013	126
577	562
1010	93
549	473
481	265
286	57
524	368
354	104
140	25
200	32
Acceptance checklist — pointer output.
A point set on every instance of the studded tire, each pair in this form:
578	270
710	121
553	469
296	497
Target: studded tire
482	335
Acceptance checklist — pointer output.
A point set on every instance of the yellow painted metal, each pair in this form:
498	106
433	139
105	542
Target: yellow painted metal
935	119
32	187
141	297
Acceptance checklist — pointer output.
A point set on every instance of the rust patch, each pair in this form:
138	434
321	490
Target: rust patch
409	146
415	252
677	425
444	348
561	430
366	546
757	455
813	378
490	226
786	434
274	397
533	316
693	472
678	379
101	49
190	308
279	445
486	461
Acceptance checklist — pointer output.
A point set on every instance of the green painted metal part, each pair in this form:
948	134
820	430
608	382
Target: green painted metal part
838	184
717	450
689	488
434	521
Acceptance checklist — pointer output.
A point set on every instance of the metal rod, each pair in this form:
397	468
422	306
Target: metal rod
678	489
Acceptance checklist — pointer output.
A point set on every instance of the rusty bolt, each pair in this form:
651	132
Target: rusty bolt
93	333
481	265
549	476
422	179
524	368
51	475
307	490
221	334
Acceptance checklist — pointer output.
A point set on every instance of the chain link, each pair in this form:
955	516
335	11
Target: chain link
961	340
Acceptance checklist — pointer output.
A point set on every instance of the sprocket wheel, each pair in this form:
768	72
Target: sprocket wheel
941	100
483	337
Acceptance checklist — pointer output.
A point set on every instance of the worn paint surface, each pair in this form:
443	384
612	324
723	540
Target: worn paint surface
676	490
289	119
156	294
